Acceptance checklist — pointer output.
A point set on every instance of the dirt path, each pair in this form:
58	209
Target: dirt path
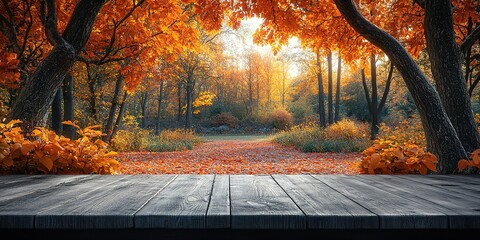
234	155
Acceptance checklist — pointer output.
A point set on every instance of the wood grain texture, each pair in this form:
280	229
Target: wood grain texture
182	204
460	208
28	185
324	207
446	183
20	212
218	214
109	206
259	203
394	212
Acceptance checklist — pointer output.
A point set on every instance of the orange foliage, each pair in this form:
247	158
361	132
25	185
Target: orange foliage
49	153
473	162
390	157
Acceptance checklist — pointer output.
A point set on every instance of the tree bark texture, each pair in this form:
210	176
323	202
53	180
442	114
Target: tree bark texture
113	108
57	112
330	88
68	106
337	91
321	94
441	136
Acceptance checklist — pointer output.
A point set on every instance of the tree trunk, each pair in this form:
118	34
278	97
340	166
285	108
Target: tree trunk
37	94
445	58
113	109
188	115
337	91
179	98
330	89
321	94
144	109
442	139
92	98
57	112
68	107
159	111
374	104
118	122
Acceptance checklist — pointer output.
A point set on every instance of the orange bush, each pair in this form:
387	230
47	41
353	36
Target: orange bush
390	157
473	162
49	153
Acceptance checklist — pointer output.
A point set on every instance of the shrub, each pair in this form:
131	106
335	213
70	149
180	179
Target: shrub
391	157
49	153
131	140
280	119
225	118
407	131
174	140
344	136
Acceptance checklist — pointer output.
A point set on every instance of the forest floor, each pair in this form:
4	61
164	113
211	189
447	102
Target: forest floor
245	154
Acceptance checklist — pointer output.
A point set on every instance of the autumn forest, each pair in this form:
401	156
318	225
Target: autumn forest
232	87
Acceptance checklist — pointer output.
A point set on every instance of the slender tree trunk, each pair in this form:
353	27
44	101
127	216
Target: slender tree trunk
442	138
57	112
68	107
36	96
447	72
159	111
118	122
374	104
188	115
113	109
92	98
144	109
321	94
337	92
179	98
330	89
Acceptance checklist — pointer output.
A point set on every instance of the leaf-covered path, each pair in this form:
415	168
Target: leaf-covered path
238	156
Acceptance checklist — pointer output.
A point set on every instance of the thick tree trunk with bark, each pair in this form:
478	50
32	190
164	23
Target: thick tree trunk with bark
159	110
68	107
442	138
450	83
179	99
330	88
92	104
337	91
37	94
321	94
108	129
57	112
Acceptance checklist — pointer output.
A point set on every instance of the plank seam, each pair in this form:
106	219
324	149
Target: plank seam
378	217
306	216
230	201
209	201
148	200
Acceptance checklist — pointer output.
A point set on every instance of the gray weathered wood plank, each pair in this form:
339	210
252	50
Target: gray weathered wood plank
20	212
446	183
29	185
110	206
182	204
458	207
394	212
325	208
218	214
257	202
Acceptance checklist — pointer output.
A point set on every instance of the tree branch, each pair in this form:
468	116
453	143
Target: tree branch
470	40
365	89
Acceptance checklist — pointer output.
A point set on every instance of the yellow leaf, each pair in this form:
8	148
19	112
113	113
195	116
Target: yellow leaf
27	147
112	153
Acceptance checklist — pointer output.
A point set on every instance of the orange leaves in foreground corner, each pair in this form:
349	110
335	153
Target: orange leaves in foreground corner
390	157
47	152
474	162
